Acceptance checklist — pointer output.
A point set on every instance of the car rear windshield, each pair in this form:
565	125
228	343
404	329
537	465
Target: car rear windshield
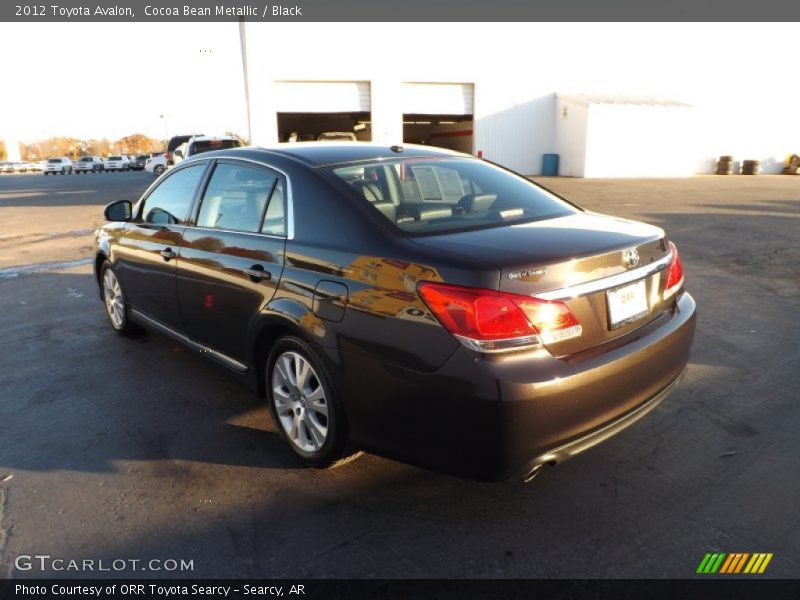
441	195
114	158
208	145
54	160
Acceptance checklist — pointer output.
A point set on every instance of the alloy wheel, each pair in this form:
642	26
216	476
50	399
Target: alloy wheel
300	402
112	294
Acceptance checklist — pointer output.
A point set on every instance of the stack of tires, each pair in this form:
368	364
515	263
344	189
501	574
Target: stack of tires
751	167
792	165
725	165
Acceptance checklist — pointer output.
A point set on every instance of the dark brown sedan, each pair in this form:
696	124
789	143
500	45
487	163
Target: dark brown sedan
416	303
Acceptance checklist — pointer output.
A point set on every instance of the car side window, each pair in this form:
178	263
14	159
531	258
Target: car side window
236	197
275	219
171	201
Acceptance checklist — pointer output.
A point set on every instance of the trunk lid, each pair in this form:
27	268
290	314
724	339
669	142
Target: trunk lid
577	259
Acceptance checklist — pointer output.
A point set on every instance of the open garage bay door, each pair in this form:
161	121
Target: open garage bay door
439	114
308	110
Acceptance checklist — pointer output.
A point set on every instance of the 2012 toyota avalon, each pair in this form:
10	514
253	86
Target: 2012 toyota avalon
412	302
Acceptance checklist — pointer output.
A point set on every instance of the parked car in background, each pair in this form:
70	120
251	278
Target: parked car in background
88	164
34	165
57	165
116	163
178	154
6	167
176	141
156	164
137	162
337	136
418	303
204	143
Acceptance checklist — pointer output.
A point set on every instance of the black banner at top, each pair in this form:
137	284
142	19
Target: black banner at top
393	10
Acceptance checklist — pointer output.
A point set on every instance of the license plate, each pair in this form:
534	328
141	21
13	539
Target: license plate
627	303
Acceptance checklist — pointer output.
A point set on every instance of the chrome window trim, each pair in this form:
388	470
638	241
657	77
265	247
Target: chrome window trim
289	196
221	230
605	283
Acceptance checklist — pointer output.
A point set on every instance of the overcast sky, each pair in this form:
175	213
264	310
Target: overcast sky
91	80
113	79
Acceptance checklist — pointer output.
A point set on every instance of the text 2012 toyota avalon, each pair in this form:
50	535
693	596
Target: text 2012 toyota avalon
416	303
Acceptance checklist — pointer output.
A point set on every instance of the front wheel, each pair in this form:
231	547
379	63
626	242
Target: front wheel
158	169
114	299
303	405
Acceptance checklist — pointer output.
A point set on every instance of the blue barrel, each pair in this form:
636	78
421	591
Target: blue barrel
550	165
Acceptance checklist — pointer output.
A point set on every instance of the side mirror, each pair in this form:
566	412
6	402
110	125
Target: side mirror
178	153
121	210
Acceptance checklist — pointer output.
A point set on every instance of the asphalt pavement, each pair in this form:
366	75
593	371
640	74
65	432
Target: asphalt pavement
138	449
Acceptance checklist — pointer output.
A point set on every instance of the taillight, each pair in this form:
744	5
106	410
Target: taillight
674	273
490	321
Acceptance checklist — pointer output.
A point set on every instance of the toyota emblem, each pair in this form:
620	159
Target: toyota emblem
630	257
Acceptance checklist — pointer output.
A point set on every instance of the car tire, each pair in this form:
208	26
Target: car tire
306	412
114	300
158	169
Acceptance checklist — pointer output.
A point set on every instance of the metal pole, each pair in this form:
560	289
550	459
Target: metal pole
166	127
243	42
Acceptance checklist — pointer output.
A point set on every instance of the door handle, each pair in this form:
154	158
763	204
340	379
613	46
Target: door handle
167	254
258	273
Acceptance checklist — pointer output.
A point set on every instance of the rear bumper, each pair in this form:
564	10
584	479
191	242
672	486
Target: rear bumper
575	447
496	417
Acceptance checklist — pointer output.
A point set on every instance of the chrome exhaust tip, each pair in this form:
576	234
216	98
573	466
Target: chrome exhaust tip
532	474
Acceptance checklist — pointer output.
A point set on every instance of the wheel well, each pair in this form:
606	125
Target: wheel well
98	262
263	344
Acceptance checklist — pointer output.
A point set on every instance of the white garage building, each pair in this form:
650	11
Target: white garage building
484	101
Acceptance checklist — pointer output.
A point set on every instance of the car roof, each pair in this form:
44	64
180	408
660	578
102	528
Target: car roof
318	154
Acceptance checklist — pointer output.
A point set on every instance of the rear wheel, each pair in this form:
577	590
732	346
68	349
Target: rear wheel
303	405
114	299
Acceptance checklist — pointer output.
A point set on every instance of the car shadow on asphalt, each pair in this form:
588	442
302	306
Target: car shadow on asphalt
78	396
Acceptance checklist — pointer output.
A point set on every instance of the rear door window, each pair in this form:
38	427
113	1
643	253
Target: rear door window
236	198
275	218
171	201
